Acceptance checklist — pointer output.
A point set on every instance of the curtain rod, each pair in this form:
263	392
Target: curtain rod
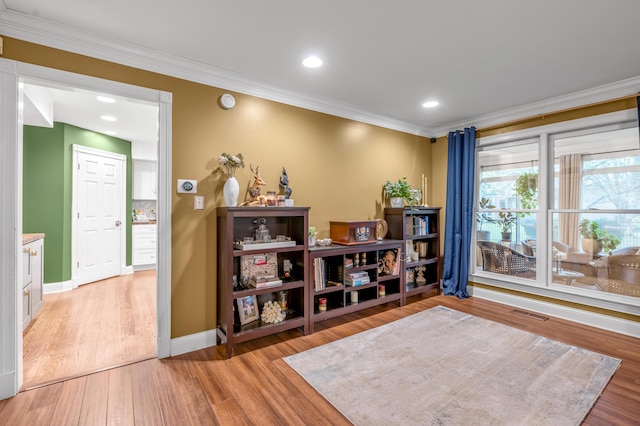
542	116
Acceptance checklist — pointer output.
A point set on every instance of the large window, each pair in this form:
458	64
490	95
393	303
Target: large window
561	209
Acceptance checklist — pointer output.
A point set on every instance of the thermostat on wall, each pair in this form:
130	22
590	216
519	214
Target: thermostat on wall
189	186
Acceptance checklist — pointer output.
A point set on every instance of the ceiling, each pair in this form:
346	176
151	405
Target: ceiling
382	59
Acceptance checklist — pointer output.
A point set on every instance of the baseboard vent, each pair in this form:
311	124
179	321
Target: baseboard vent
530	314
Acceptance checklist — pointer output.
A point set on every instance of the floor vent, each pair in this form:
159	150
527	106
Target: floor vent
530	314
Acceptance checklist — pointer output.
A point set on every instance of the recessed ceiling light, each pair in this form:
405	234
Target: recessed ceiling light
105	99
110	133
431	104
108	118
312	62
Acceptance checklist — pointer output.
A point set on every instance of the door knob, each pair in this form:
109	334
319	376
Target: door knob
118	223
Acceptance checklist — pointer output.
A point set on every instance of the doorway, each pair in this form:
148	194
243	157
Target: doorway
14	74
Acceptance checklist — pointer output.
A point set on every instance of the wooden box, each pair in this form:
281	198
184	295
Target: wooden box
352	232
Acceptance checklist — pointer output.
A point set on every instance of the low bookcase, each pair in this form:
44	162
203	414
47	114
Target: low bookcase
344	279
252	273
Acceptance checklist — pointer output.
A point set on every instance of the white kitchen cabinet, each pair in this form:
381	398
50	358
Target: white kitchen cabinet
32	277
144	180
144	245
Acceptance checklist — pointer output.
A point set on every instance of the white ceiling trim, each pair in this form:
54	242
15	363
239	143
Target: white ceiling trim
37	30
46	33
586	97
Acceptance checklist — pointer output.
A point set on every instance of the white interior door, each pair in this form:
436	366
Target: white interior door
99	214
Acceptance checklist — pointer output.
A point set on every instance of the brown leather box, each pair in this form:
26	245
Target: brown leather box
352	232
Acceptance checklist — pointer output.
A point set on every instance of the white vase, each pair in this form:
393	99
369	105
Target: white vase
230	192
396	201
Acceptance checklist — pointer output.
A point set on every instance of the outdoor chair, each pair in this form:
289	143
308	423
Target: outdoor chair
505	260
619	273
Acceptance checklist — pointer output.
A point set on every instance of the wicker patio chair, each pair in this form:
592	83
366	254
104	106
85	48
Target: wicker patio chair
504	260
619	274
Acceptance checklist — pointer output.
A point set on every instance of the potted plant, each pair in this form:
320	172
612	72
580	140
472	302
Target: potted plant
398	192
594	238
482	218
526	186
506	219
312	236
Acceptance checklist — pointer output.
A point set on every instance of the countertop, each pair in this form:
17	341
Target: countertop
29	238
143	222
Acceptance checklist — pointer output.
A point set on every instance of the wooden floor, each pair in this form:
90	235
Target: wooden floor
257	387
103	324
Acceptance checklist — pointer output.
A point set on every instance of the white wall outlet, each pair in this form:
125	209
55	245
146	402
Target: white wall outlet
187	186
198	202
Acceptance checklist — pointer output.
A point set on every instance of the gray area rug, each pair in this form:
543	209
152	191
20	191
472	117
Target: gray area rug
444	367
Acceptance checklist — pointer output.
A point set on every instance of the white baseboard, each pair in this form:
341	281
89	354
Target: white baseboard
605	322
143	267
128	270
192	342
8	386
49	288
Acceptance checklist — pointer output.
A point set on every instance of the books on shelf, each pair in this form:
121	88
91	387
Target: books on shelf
354	279
416	225
320	277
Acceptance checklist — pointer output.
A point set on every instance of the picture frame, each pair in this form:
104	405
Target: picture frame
388	262
248	309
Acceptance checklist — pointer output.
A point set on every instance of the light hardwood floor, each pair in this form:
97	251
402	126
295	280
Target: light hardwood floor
99	325
256	387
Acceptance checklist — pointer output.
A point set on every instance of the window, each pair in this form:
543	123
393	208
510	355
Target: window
580	232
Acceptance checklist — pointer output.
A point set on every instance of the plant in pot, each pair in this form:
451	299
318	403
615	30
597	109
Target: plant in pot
505	220
594	238
482	218
398	192
526	186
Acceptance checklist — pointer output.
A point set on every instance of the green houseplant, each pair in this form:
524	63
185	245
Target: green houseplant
526	186
505	220
594	238
398	190
482	218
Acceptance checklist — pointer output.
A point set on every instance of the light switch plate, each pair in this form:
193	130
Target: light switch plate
198	202
187	186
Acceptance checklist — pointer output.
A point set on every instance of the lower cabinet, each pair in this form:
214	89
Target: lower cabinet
32	278
144	245
346	279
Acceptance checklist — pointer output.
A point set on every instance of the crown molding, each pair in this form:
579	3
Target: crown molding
602	93
36	30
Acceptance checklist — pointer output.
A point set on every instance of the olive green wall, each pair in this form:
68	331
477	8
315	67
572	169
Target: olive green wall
336	166
47	189
43	195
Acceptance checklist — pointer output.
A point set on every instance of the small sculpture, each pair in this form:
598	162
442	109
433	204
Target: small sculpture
254	189
284	184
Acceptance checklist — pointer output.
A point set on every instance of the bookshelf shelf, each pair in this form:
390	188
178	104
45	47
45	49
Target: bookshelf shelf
419	229
332	264
239	269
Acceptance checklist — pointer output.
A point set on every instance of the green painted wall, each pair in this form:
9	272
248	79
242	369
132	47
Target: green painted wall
47	189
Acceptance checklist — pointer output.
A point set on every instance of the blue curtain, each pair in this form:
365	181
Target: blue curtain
459	216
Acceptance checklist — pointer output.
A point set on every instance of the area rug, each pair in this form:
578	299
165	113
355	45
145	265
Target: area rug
444	367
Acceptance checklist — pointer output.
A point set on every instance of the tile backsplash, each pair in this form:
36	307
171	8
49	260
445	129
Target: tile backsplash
147	206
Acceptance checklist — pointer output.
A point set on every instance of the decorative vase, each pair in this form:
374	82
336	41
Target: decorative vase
312	240
396	201
230	192
591	246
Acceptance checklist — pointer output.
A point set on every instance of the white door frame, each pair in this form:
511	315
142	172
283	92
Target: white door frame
78	149
11	73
